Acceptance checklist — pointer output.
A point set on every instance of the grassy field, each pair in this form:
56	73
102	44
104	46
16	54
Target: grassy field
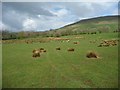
0	66
61	69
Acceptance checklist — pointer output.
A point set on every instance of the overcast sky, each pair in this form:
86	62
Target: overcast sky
40	16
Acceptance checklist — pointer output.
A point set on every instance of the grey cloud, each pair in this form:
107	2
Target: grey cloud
13	19
32	8
0	11
80	9
89	9
14	13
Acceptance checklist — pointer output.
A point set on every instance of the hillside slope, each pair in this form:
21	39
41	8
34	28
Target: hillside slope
98	24
87	26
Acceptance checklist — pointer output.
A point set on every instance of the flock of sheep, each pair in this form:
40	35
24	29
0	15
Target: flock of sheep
37	52
106	43
90	54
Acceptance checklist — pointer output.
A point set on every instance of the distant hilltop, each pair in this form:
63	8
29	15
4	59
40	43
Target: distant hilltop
104	24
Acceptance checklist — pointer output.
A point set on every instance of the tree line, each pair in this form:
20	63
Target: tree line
6	35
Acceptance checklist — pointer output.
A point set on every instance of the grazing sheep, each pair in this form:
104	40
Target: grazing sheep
107	43
44	51
34	50
91	55
100	45
41	48
58	48
76	42
70	49
36	54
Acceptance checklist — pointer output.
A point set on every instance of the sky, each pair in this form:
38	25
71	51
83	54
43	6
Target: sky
41	16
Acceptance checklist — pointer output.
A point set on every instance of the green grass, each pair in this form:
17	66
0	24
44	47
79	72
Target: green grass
61	69
104	24
0	66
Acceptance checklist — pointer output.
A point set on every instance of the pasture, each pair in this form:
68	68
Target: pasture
0	65
61	68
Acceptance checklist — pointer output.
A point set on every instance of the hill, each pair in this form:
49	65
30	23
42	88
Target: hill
87	26
98	24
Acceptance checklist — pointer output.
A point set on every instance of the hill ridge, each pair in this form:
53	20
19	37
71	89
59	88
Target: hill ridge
93	18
